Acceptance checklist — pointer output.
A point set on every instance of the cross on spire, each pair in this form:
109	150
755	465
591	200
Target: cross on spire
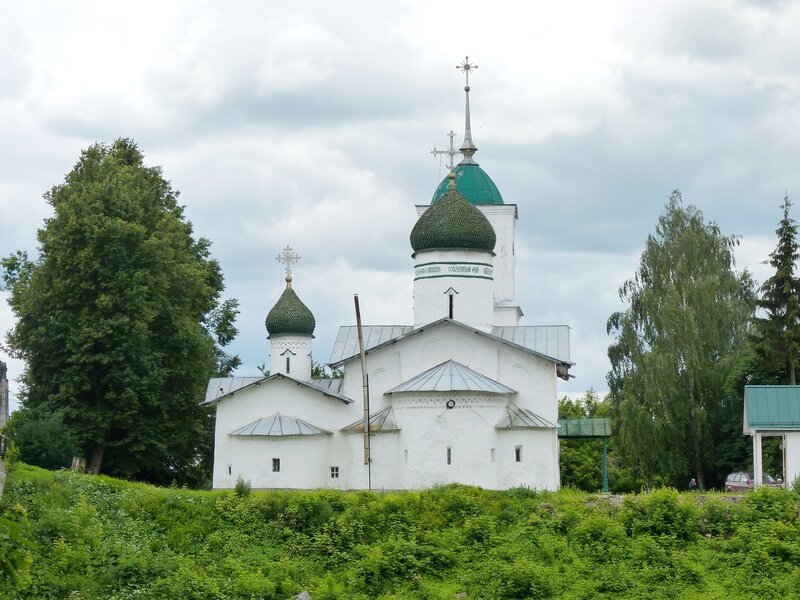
450	152
468	148
466	67
287	258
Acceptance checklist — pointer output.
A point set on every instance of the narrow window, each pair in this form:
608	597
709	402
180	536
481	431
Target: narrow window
287	365
276	465
450	300
405	456
334	472
449	455
493	455
518	453
229	470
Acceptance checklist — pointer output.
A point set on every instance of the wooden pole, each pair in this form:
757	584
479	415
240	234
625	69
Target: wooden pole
365	386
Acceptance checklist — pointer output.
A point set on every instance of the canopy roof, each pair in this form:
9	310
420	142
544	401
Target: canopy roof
451	376
473	183
771	407
381	422
522	418
278	425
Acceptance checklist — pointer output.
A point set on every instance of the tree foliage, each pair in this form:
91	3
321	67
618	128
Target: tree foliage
677	348
776	336
42	440
119	318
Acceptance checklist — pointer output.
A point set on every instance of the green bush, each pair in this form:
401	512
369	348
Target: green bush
661	512
242	487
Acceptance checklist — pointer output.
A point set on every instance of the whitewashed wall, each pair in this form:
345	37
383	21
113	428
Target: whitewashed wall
792	467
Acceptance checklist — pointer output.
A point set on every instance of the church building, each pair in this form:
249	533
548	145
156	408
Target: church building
464	394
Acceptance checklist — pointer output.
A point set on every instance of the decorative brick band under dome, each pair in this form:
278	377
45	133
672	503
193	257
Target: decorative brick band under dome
453	223
290	316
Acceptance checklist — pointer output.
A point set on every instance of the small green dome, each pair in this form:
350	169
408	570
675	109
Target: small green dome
473	183
453	223
290	316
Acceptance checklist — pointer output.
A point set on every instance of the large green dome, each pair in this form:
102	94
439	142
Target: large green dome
473	183
452	223
290	316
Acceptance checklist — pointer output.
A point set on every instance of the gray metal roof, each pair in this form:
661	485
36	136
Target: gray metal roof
220	387
279	426
382	421
551	340
521	418
451	376
346	344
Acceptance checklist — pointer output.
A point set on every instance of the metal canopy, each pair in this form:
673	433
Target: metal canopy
584	428
279	426
521	418
771	407
451	376
381	422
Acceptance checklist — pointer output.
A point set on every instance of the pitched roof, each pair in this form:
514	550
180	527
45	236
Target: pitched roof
521	418
221	387
771	407
451	376
345	348
278	425
382	421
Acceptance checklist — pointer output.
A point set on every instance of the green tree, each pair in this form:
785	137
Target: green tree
42	440
776	336
677	348
119	319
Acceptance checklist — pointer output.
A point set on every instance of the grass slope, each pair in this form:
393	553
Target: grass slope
96	537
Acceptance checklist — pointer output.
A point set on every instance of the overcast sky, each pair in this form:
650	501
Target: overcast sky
311	124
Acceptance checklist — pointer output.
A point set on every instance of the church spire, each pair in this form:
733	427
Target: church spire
467	148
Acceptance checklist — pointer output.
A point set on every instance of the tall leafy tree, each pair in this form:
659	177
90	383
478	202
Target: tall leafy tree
677	347
776	336
120	319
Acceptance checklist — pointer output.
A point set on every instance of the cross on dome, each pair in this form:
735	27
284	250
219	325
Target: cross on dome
450	152
287	258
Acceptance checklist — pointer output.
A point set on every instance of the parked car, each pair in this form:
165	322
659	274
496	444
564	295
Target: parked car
741	482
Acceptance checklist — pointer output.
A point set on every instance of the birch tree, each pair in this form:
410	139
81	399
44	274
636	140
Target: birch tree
676	347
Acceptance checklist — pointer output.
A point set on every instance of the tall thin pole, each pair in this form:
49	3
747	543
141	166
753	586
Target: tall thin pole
365	386
605	464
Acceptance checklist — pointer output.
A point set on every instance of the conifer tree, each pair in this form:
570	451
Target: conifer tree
776	338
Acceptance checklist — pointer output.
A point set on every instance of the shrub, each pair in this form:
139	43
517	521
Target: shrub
242	487
661	513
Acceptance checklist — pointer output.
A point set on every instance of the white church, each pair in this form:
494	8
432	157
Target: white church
464	394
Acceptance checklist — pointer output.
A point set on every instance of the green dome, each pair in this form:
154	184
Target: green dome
290	316
453	223
473	183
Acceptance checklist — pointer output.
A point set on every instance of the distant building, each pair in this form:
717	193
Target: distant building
774	411
464	394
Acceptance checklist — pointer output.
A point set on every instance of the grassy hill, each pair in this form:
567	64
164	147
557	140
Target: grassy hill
96	537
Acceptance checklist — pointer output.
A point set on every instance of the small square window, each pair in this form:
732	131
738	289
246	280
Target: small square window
276	465
518	453
230	470
449	455
334	472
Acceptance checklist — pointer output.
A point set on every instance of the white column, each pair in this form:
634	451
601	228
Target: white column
757	463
